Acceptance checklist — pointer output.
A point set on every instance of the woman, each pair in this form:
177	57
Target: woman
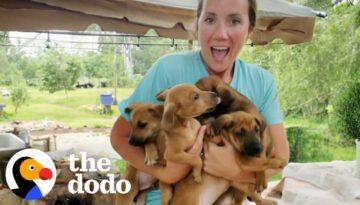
223	28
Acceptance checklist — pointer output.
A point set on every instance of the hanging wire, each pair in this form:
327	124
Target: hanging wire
138	44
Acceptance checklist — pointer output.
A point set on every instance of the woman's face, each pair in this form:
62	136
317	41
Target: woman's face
223	29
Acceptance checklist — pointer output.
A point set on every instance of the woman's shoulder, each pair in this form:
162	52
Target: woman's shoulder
255	70
179	58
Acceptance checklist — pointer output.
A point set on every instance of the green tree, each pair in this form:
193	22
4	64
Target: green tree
19	93
59	71
347	111
310	76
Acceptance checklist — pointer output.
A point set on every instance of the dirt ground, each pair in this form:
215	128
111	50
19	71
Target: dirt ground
62	140
57	136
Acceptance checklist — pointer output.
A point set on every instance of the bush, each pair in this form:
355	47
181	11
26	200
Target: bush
306	146
130	82
347	111
19	96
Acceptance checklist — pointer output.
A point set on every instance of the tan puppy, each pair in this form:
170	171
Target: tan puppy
182	103
145	123
243	131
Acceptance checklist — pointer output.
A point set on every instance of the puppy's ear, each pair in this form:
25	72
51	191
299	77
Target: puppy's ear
128	110
222	122
161	96
169	114
131	107
262	123
206	84
224	92
157	110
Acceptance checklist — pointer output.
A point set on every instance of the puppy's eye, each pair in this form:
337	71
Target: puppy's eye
240	133
141	124
196	96
257	129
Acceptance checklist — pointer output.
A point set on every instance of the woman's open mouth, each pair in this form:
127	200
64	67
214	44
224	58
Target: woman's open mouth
219	52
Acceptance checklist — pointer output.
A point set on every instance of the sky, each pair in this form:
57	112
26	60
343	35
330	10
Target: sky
30	42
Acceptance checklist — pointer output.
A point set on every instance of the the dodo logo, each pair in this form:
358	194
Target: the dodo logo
30	174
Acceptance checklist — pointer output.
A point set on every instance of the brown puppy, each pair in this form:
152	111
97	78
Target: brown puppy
183	102
241	136
231	100
145	123
242	130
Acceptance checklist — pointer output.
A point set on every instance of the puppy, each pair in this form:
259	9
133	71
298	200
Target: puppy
231	100
251	138
183	103
145	123
245	133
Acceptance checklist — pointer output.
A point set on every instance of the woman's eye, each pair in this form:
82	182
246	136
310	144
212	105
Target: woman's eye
235	21
196	96
209	20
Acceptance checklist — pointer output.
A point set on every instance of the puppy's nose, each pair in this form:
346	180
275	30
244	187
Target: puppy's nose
136	142
254	149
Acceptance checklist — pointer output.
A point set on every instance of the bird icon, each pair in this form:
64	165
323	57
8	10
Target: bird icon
25	171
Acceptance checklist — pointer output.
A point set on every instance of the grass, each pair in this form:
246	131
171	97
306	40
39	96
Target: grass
343	153
80	108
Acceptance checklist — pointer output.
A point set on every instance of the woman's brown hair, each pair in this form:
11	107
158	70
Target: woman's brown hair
252	13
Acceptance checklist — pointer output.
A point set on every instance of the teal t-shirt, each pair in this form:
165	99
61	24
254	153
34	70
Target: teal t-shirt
250	80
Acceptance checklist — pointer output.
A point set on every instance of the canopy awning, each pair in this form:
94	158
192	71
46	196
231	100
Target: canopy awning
169	18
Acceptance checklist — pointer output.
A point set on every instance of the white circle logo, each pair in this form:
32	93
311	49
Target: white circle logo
30	174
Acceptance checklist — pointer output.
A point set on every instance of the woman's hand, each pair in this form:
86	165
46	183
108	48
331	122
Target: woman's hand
221	161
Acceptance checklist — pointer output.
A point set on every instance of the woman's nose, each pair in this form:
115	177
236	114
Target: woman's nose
221	32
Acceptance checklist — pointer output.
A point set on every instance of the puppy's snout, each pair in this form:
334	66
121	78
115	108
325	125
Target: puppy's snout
253	149
134	141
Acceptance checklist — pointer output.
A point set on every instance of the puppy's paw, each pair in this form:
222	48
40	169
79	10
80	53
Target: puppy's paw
151	159
260	186
197	177
277	163
151	162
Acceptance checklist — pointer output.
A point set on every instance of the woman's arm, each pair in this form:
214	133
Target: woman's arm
220	161
172	173
281	146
